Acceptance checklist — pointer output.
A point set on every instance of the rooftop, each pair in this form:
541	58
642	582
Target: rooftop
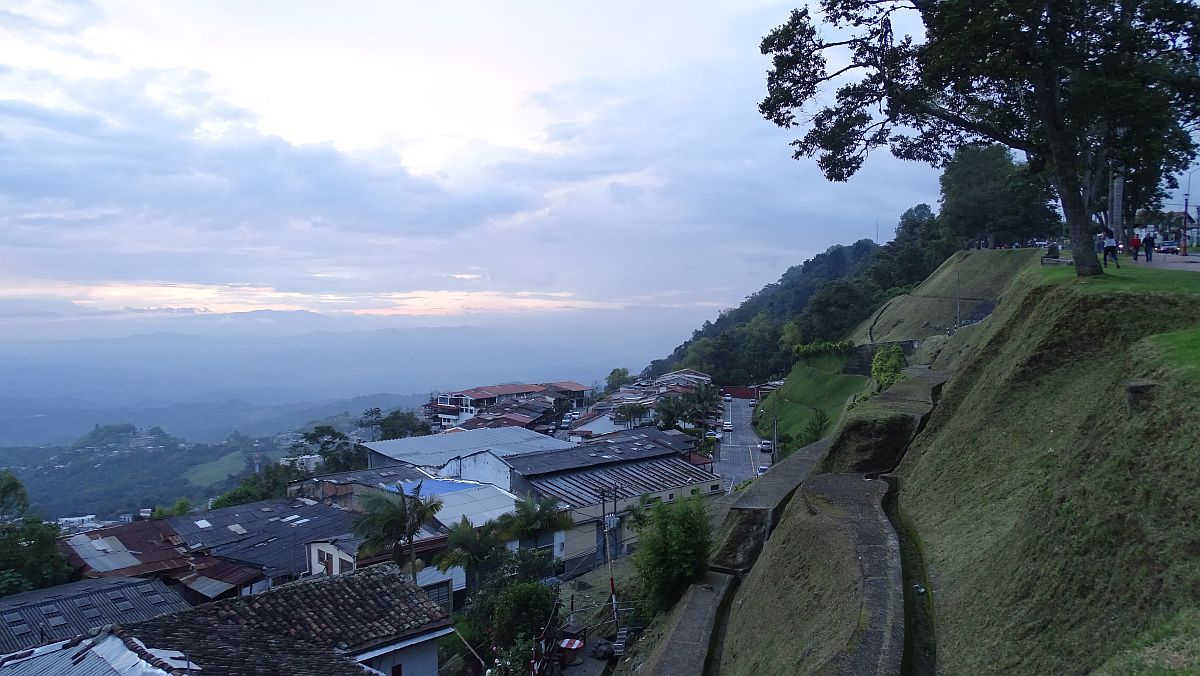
436	450
56	613
135	548
478	502
270	534
602	451
349	613
372	477
580	488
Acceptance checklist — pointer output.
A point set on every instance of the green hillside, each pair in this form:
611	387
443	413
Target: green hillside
1057	511
814	384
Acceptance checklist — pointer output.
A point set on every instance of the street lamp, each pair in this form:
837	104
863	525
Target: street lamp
1186	193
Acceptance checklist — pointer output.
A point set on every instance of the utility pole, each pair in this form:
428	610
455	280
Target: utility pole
957	299
774	437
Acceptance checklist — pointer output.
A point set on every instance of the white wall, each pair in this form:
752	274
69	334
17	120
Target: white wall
483	467
343	562
431	575
416	660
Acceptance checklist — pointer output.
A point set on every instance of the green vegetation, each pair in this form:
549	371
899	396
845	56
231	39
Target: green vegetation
402	424
392	520
1171	646
106	434
338	453
178	508
272	482
815	384
29	556
533	520
616	378
886	366
509	607
1057	514
672	551
209	473
952	84
822	349
471	548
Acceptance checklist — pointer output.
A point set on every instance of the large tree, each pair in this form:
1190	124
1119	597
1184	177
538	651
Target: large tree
471	548
532	519
1078	86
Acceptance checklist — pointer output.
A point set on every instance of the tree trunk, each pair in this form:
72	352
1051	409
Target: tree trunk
412	557
1064	158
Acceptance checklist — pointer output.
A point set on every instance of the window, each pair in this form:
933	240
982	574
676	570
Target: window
716	487
440	593
695	491
670	496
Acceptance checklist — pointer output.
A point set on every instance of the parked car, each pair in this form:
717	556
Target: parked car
762	469
728	427
729	397
753	403
713	434
766	445
1168	247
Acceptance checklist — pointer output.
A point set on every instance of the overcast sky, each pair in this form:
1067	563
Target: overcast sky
434	161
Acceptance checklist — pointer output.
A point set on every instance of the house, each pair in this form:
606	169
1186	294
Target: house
235	550
588	479
304	463
573	392
371	619
477	502
270	535
534	412
471	401
375	616
345	489
437	452
54	614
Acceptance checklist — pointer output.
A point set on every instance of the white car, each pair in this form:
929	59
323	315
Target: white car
728	427
729	397
766	445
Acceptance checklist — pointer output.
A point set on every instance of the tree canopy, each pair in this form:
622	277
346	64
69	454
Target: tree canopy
1076	86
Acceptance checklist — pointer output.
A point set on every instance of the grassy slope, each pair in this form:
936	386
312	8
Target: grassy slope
1058	525
814	383
930	308
768	631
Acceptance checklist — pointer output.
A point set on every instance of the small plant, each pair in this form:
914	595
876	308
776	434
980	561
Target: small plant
814	429
820	349
886	366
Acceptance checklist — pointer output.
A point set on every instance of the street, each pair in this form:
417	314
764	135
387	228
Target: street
737	457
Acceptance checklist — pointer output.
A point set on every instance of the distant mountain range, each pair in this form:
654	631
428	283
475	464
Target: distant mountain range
202	387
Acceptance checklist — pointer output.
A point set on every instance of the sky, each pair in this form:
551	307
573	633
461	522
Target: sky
405	163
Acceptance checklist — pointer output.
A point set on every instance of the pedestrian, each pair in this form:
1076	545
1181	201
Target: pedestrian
1148	244
1110	247
1135	244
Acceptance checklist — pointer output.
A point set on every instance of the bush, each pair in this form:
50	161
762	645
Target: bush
824	348
886	366
522	609
673	551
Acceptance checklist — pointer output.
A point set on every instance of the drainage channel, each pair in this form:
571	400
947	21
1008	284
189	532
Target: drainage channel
920	640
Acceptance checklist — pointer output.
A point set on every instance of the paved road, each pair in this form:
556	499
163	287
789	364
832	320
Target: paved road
738	457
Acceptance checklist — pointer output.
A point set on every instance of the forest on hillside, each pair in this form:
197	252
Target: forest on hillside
987	199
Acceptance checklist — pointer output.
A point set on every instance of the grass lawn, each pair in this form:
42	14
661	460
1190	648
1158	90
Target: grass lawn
1138	279
813	384
212	472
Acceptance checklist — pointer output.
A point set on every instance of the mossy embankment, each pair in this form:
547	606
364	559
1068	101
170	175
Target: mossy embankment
968	285
1058	510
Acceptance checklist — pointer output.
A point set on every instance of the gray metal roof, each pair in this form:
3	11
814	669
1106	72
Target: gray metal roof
89	657
435	450
589	454
57	613
630	479
270	534
373	477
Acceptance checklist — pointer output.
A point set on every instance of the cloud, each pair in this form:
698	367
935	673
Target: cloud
648	181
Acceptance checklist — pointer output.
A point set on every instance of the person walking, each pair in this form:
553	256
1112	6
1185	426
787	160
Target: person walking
1135	244
1110	247
1148	244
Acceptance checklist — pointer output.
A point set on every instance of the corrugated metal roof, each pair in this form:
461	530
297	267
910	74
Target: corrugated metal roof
128	548
58	613
90	657
630	479
589	454
435	450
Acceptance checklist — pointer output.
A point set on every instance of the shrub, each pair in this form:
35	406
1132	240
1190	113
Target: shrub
673	551
886	366
820	349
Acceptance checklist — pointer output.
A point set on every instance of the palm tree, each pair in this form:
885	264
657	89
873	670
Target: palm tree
632	413
532	518
470	547
669	410
392	520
